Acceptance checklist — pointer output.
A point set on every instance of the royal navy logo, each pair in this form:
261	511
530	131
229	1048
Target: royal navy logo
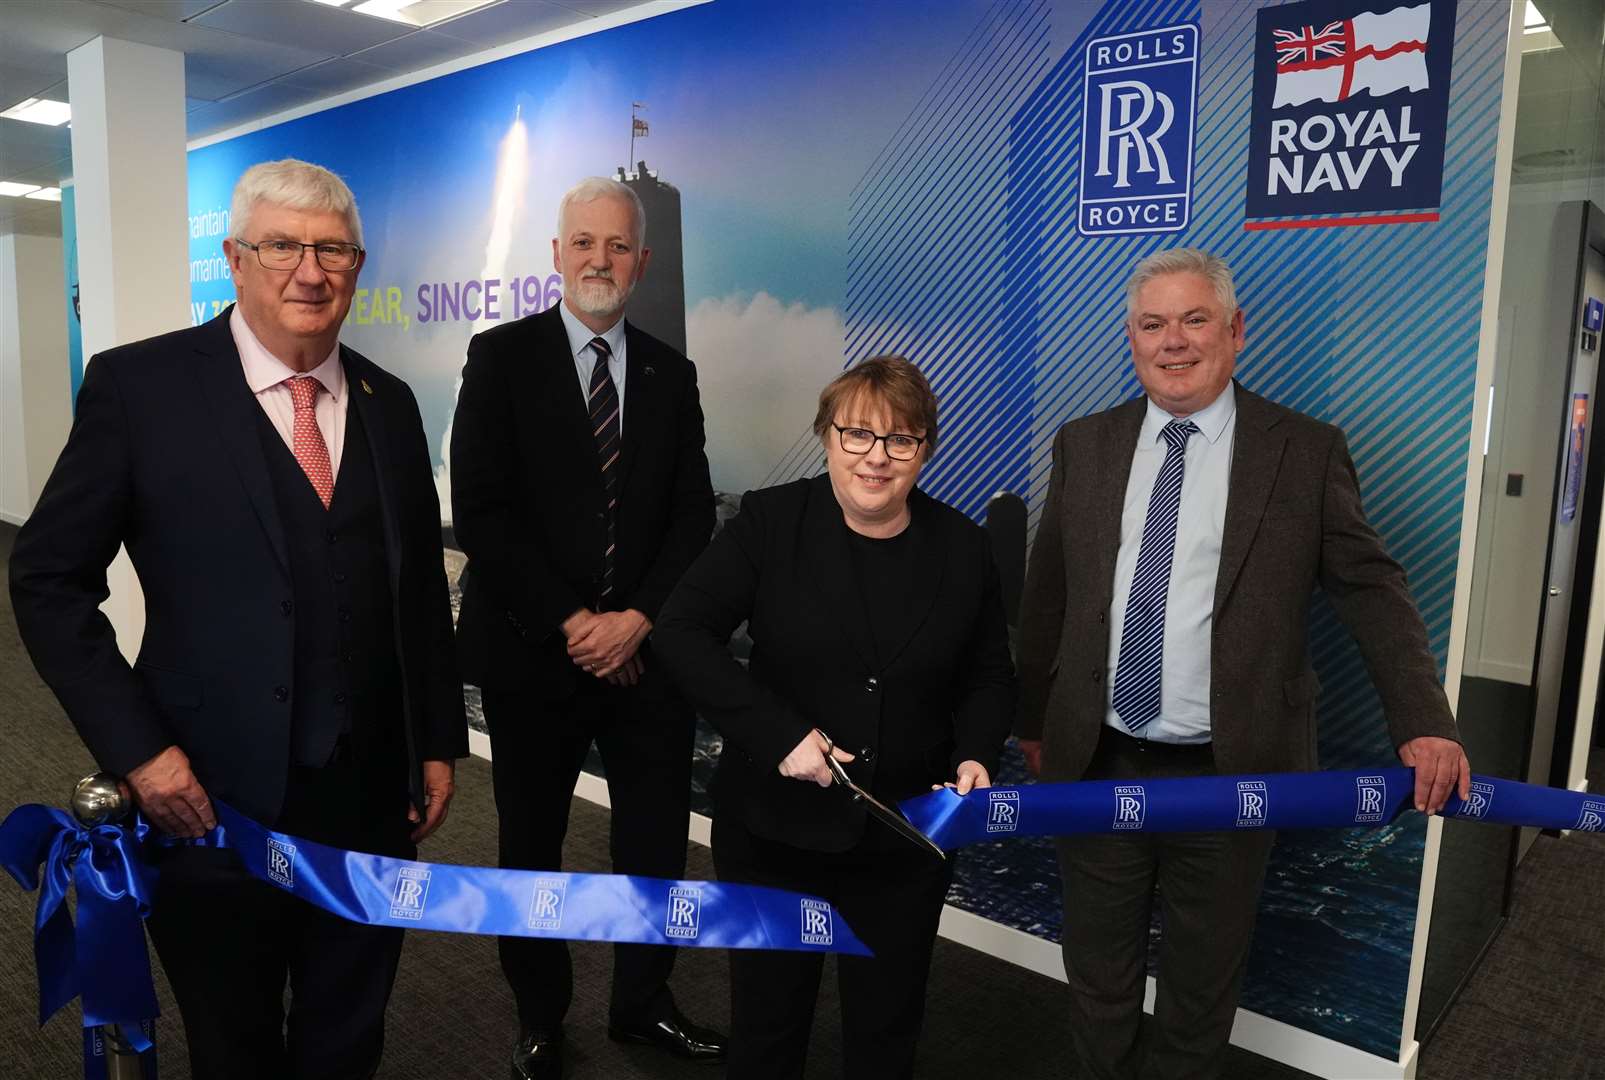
546	903
1137	120
1482	796
1131	806
1592	816
1369	794
685	912
281	863
1002	811
1350	111
1251	804
411	893
817	926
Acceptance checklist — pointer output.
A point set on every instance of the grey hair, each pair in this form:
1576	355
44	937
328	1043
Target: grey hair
1183	261
601	187
295	185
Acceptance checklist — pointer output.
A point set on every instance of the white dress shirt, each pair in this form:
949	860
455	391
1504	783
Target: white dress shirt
1190	604
266	375
579	345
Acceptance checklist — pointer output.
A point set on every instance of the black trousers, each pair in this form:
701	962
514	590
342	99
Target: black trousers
1208	885
537	750
892	898
228	941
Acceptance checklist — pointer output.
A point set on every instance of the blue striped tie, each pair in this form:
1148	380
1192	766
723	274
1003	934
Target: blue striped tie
1142	636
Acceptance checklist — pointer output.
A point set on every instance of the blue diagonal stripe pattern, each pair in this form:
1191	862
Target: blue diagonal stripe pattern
604	403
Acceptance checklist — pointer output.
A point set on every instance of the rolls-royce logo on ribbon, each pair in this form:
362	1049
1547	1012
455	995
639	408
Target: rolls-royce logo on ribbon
1137	121
546	903
1002	811
685	912
281	863
411	893
817	927
1131	806
1591	818
1482	796
1251	804
1350	112
1370	792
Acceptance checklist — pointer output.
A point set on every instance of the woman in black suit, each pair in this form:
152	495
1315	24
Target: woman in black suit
876	620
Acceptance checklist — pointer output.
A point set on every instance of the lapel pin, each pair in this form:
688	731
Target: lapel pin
366	389
649	370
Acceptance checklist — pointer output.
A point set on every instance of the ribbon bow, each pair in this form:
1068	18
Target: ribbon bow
103	959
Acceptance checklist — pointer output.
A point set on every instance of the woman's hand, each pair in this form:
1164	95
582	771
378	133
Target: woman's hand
970	775
807	759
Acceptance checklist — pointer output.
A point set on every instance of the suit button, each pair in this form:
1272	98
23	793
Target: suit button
345	656
339	699
339	577
332	537
871	685
1102	616
866	755
281	693
601	515
1097	675
286	607
345	614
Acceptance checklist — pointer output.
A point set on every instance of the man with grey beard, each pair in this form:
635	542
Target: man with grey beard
580	493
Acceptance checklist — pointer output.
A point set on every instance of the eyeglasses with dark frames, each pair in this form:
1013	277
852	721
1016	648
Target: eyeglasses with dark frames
287	254
899	447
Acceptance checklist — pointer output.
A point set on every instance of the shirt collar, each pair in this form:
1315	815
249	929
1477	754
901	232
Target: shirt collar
1211	420
580	335
263	370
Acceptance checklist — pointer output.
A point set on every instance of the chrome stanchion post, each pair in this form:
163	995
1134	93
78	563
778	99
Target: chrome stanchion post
100	799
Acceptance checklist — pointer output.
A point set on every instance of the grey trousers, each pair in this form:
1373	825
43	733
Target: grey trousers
1208	888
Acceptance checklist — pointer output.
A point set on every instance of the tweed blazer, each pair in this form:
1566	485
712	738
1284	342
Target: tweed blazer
1294	523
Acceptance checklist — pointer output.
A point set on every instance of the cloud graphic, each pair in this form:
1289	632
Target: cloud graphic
760	366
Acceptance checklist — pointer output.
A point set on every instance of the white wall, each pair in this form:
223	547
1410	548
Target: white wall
35	386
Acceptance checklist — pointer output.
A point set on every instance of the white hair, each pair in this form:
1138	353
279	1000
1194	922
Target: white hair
295	185
1183	261
600	187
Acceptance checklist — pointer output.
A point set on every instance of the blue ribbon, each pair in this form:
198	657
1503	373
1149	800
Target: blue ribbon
102	960
382	891
1310	800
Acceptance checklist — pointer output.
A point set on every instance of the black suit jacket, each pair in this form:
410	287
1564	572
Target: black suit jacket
1294	522
528	507
165	456
784	565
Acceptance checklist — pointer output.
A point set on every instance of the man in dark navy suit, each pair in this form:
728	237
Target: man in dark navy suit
580	494
275	493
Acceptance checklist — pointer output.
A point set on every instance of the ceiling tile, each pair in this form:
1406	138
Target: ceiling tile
418	50
599	7
293	22
255	104
18	84
171	10
338	75
235	63
509	21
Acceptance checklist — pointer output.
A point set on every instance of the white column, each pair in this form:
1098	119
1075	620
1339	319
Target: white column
35	385
131	180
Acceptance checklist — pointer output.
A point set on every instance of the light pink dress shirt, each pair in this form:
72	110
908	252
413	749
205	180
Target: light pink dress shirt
266	373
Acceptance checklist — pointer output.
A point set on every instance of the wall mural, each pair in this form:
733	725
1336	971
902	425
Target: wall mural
968	183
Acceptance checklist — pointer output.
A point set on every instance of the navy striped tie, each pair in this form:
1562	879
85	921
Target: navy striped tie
604	401
1142	636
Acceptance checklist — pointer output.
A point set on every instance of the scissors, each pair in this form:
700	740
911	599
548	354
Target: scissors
886	815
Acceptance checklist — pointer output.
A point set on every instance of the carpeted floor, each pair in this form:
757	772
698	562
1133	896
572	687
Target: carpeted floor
1527	1013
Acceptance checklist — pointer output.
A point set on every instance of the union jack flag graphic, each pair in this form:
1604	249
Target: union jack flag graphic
1307	43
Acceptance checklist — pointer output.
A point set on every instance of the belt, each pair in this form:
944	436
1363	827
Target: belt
1113	737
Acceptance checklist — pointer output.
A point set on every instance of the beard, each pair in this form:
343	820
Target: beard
596	295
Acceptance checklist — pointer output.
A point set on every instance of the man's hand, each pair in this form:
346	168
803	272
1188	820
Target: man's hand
807	760
438	790
1441	767
166	791
608	641
577	623
630	673
1032	749
970	774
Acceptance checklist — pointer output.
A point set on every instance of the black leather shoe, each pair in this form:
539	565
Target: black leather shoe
674	1034
538	1055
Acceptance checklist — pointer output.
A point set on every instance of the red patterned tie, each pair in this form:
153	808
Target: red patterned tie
307	441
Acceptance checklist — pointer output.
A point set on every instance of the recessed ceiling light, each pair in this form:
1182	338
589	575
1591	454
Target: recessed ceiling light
417	12
40	111
333	3
48	194
8	187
